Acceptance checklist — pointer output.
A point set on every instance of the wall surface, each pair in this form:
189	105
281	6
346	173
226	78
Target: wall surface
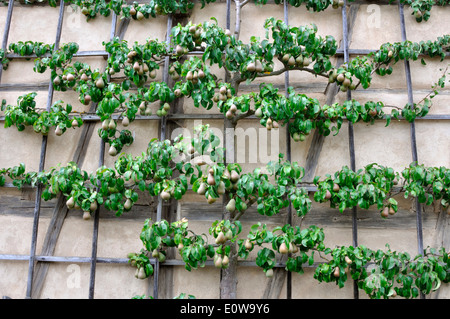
117	236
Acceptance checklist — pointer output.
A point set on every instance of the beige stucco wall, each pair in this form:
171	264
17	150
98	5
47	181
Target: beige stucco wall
388	146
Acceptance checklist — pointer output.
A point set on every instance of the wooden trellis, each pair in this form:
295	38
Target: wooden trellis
38	264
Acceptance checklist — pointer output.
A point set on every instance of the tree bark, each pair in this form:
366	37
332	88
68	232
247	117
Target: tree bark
228	278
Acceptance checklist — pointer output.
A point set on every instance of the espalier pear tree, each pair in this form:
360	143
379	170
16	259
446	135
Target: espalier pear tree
129	88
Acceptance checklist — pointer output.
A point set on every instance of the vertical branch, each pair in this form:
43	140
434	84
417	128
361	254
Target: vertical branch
96	213
228	276
351	138
275	283
162	136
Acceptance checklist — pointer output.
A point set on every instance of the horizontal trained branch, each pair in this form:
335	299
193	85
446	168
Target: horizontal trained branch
297	48
139	10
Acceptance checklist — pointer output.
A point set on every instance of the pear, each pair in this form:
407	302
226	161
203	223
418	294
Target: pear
210	180
291	61
112	151
87	99
70	77
70	203
346	82
259	67
221	188
165	195
391	211
105	124
179	50
84	77
225	261
74	123
218	262
99	83
234	176
125	121
229	234
348	260
142	274
220	239
223	90
57	81
306	61
136	66
251	67
269	124
86	215
93	207
192	29
269	272
229	115
231	206
222	97
385	212
258	113
211	199
328	195
293	248
283	248
336	188
153	73
336	272
299	60
58	131
248	244
128	204
133	11
139	15
112	124
202	189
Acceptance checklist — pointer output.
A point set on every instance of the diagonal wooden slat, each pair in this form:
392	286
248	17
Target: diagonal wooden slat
41	168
